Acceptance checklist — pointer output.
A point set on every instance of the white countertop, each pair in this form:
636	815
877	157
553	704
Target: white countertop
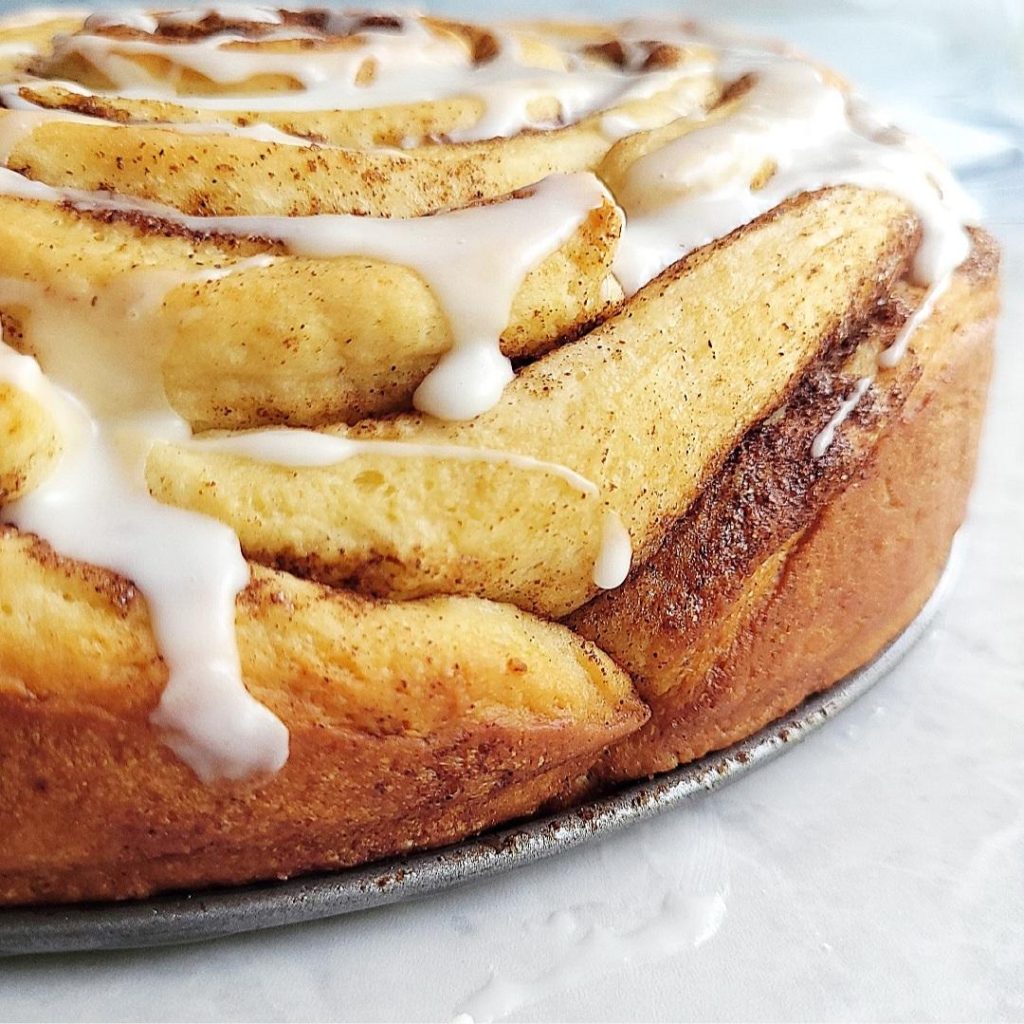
876	871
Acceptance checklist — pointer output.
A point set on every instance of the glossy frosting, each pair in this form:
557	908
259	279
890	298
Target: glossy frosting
787	129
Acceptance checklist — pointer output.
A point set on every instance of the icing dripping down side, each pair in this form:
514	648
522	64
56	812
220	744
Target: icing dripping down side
824	440
89	509
474	260
616	556
887	360
95	507
898	349
808	136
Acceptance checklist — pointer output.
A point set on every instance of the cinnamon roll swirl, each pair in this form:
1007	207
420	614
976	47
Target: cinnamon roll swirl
408	424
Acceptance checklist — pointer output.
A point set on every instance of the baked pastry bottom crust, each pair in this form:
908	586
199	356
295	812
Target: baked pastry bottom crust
818	607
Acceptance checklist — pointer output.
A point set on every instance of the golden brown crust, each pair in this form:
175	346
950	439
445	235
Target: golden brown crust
790	573
409	726
95	810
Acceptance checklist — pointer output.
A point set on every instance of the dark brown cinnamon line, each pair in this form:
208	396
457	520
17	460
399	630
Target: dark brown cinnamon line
768	490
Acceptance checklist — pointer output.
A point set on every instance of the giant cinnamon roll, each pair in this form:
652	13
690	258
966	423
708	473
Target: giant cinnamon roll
408	425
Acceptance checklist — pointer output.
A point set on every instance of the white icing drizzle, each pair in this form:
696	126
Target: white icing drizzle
328	76
95	506
228	12
824	440
811	135
21	371
508	89
93	510
616	555
298	448
617	126
140	21
20	118
105	392
699	187
898	349
887	360
16	50
410	65
474	260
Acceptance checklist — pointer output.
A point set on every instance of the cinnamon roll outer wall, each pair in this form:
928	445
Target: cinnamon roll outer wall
788	576
104	811
774	570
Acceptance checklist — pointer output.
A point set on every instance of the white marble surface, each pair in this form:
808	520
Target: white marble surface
874	872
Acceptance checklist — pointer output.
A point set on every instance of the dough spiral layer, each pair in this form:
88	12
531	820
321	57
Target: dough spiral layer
409	424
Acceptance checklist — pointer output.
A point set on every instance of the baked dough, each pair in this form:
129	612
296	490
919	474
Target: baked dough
715	472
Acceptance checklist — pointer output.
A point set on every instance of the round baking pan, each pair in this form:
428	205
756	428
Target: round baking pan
212	914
